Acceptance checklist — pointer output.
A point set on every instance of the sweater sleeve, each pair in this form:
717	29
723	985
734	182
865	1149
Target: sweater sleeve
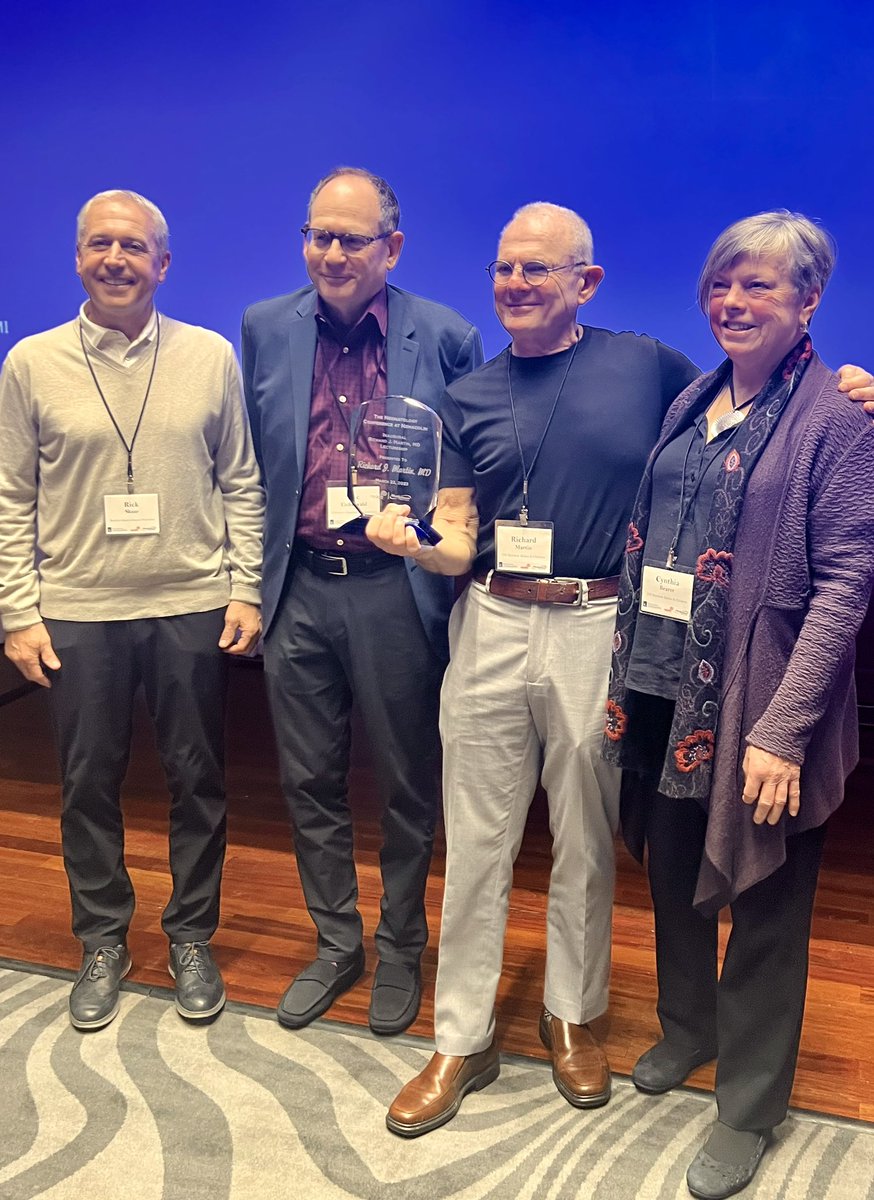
237	476
19	470
840	525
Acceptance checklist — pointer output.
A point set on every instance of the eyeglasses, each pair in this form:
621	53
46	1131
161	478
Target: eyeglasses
534	273
350	243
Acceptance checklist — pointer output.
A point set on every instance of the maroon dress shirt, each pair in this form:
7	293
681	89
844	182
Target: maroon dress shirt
349	368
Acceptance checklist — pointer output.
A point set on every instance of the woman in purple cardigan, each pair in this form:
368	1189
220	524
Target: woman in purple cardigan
732	706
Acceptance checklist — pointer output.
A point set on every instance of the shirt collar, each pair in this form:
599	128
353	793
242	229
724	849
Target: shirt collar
101	338
377	310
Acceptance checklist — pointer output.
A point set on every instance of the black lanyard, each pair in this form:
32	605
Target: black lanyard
685	506
121	437
526	471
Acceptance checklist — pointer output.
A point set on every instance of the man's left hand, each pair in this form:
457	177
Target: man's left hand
242	628
772	784
858	385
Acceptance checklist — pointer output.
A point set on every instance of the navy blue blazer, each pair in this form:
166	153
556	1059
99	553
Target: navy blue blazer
427	347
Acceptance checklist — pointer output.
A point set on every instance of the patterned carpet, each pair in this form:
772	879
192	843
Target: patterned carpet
151	1108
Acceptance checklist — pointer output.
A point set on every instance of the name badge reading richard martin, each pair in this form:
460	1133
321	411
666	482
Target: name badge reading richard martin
127	515
667	593
339	509
524	549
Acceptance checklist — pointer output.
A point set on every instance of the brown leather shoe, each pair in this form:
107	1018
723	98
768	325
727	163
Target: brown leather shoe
435	1095
579	1066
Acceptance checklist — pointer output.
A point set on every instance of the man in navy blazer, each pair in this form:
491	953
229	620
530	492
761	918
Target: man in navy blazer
309	359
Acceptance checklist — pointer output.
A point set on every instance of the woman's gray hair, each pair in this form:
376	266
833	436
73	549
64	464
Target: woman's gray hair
582	249
809	250
162	233
389	209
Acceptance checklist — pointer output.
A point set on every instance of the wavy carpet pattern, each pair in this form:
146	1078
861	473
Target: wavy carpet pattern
151	1108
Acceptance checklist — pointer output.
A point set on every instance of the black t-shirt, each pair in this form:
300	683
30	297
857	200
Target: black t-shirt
606	422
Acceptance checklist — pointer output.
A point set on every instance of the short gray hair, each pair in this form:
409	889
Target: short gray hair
808	249
582	249
389	209
162	232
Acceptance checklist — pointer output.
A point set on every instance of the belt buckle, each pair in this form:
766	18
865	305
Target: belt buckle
340	559
582	600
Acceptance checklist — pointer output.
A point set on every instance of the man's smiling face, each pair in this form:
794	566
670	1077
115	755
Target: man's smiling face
119	264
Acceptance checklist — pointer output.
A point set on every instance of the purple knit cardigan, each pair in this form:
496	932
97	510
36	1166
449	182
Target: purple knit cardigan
802	574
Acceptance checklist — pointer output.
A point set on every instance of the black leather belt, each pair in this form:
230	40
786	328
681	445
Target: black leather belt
326	564
549	591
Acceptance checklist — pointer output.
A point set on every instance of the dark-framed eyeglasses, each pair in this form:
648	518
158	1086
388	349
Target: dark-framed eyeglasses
350	243
534	273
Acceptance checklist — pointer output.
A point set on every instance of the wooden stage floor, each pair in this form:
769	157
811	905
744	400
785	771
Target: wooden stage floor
266	936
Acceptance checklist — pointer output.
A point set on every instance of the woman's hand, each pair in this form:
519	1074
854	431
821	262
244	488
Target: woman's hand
772	784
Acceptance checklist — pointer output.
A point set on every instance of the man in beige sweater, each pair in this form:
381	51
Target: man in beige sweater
130	553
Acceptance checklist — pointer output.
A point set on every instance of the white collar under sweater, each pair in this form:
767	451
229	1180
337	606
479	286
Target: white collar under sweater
114	344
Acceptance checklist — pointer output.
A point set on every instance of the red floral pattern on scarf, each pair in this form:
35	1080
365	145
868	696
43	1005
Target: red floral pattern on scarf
616	722
714	566
694	750
634	541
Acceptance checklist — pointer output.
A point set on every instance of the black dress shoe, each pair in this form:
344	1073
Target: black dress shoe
664	1066
200	992
94	998
712	1178
315	989
395	999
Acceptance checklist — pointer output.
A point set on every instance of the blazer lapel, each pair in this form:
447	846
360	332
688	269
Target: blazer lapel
401	346
302	339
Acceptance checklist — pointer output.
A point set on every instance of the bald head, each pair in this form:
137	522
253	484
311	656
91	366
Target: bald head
541	317
558	222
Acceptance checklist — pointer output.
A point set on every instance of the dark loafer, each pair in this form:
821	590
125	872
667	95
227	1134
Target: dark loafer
200	993
710	1179
395	999
315	989
94	998
664	1066
580	1069
435	1095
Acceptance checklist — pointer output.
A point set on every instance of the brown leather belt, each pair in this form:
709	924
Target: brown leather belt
549	591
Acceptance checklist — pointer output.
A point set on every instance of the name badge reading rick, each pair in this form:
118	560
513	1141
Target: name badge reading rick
524	549
127	516
665	592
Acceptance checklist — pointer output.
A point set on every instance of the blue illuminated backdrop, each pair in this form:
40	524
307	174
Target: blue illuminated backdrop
660	123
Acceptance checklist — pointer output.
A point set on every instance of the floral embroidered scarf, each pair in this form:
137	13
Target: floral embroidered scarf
688	764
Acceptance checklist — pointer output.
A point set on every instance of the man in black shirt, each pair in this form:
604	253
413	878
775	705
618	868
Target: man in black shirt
543	450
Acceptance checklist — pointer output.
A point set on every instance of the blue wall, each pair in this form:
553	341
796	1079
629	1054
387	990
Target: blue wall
659	123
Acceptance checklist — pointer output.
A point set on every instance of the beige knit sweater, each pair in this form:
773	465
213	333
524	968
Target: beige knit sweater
60	455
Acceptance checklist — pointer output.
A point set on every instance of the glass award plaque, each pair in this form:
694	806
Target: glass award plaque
394	458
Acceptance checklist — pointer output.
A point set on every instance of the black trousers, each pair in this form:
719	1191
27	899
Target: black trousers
184	676
335	639
751	1015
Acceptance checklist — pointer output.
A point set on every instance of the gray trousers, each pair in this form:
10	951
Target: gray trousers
524	697
334	640
184	676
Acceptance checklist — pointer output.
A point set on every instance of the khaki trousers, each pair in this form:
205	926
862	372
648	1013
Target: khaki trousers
524	697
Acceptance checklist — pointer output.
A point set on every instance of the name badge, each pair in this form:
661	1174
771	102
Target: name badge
127	516
339	509
524	549
665	592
